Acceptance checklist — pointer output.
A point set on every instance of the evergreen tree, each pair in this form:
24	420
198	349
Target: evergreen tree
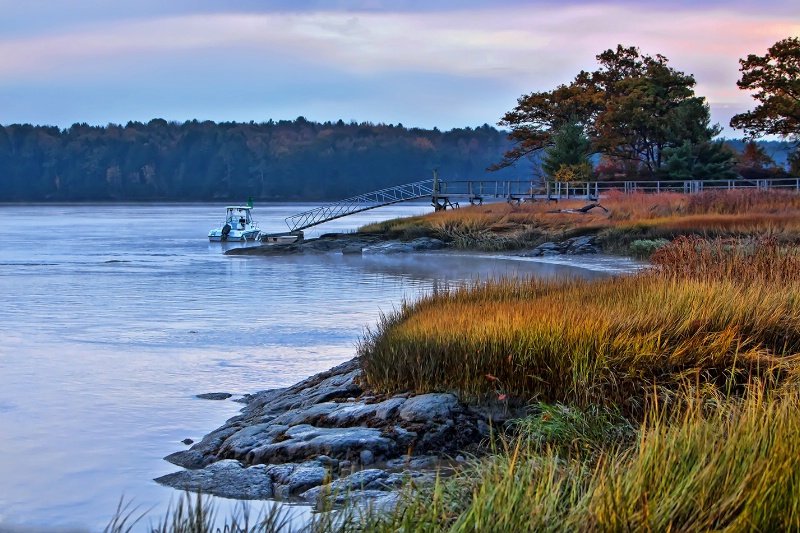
568	158
702	161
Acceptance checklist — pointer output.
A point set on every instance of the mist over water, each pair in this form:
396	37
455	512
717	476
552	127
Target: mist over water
115	316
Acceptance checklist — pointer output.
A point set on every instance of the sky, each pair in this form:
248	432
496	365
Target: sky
446	63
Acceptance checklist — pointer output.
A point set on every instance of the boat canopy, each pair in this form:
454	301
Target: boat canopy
238	212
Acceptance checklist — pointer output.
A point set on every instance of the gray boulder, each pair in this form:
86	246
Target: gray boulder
428	407
356	481
292	479
228	479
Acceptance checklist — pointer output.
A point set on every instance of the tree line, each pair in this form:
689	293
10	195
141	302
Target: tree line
633	118
285	160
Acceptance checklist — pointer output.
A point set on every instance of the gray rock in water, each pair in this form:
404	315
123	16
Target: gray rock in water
292	479
427	407
357	481
187	441
192	459
427	243
239	444
214	396
582	245
227	479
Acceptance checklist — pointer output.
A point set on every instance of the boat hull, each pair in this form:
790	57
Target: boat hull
233	236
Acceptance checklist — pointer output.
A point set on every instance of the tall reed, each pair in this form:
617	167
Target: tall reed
731	465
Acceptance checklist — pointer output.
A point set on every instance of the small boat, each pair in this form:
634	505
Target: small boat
238	226
282	238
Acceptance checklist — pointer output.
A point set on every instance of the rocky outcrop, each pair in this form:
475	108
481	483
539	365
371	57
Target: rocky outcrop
586	244
286	442
345	243
423	244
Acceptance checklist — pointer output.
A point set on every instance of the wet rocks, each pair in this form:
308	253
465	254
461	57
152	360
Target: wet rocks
305	441
228	479
347	243
288	441
214	396
344	243
586	244
421	244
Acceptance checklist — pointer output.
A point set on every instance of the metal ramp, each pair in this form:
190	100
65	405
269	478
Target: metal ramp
357	204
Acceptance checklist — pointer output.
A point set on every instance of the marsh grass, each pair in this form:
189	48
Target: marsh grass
727	464
630	217
602	343
664	401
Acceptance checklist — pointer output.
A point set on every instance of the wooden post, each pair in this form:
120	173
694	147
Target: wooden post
435	196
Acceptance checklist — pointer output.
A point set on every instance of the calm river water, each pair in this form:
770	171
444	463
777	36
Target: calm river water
115	316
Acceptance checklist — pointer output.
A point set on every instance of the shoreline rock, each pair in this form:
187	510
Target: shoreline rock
358	244
586	244
323	431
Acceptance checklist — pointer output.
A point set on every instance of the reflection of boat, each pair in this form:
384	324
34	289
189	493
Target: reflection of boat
238	226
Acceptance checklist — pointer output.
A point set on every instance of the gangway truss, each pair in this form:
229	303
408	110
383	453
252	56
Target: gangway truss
357	204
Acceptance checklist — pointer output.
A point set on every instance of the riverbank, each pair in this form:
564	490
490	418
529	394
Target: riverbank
678	375
557	403
331	430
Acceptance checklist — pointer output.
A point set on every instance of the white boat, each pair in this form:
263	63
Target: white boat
238	226
281	238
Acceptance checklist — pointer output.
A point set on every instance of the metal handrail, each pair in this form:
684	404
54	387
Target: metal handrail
357	204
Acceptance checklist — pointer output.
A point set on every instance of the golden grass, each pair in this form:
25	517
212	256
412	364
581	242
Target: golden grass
630	217
733	465
599	343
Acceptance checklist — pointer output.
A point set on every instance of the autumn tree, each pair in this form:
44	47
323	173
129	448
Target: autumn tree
755	163
774	79
540	114
632	108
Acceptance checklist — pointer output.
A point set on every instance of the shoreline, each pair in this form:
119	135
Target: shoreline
327	435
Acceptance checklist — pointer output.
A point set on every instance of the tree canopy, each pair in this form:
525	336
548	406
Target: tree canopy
631	109
774	79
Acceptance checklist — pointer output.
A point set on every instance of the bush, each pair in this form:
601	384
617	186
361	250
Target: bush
644	248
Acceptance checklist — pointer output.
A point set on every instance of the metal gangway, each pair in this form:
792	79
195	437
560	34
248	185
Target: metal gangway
362	202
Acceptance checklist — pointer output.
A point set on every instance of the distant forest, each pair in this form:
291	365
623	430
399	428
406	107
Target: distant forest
288	160
272	161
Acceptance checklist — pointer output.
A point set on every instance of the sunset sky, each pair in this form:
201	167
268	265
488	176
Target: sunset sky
421	63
